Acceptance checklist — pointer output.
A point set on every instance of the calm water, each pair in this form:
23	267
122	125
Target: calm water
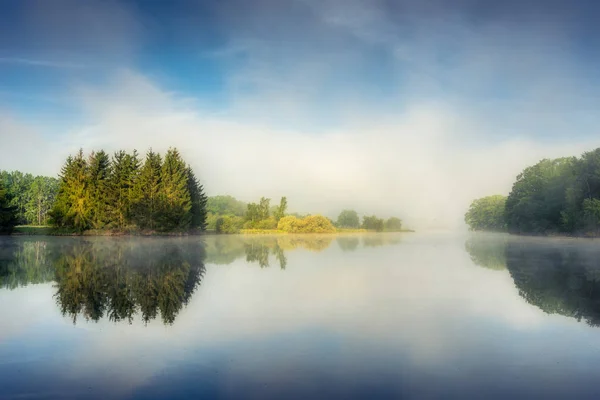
373	316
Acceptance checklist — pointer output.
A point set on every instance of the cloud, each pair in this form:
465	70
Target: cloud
26	147
68	33
38	63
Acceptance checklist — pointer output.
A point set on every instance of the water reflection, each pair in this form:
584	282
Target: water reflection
223	250
261	250
116	279
378	240
488	251
24	262
559	276
121	278
348	243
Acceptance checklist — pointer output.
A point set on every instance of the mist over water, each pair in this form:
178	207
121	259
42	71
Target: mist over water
351	316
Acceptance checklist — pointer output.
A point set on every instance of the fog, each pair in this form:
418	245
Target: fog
382	107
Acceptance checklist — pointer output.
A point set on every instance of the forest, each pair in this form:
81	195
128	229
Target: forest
125	193
555	196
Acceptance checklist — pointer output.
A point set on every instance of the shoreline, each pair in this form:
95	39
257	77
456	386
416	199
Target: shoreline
541	235
50	231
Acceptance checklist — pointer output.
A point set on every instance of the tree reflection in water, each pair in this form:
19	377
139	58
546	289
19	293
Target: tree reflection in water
120	278
117	279
24	262
487	251
559	276
348	243
225	249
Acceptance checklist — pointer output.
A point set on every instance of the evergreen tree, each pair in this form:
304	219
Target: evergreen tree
198	199
124	173
98	192
73	203
175	196
147	189
8	217
99	173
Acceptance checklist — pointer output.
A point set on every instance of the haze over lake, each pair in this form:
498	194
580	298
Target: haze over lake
346	316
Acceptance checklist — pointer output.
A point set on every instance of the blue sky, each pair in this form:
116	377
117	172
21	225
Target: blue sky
439	83
476	54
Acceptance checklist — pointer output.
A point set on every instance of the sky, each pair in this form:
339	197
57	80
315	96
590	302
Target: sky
406	108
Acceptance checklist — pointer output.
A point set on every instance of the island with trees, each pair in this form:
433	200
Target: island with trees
553	197
100	194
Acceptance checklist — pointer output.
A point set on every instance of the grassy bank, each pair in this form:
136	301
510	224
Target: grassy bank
338	231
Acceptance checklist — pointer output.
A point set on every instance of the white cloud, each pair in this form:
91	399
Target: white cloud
38	63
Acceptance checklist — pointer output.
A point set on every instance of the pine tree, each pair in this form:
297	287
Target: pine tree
175	196
124	173
198	199
147	189
99	192
73	206
99	183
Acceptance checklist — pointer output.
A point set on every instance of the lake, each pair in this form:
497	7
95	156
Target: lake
372	316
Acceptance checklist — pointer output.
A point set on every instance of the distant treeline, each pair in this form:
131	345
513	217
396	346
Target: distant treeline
226	214
28	198
559	196
126	193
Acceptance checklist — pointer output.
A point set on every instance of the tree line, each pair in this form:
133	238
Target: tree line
98	191
554	196
126	193
349	219
226	214
28	198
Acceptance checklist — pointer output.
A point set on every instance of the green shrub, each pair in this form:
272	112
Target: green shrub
269	223
310	224
228	224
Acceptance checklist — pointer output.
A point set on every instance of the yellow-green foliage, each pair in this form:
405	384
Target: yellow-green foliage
251	231
269	223
228	224
310	224
309	242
